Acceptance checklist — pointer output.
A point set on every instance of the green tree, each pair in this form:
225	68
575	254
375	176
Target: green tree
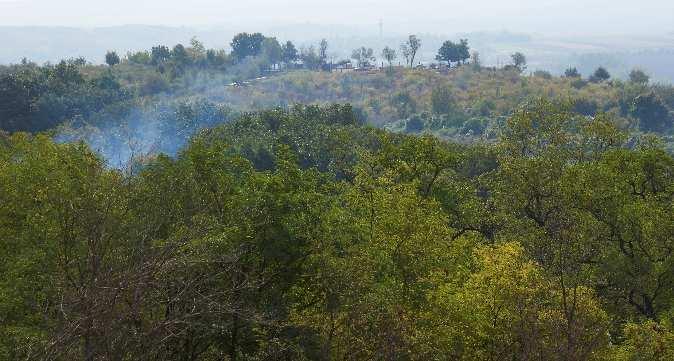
216	58
197	51
586	107
75	222
363	57
180	55
652	113
310	58
508	309
571	73
410	48
111	58
519	61
638	76
543	74
39	98
160	54
442	100
463	51
245	45
323	51
289	53
389	55
646	341
540	145
600	75
448	52
272	51
366	290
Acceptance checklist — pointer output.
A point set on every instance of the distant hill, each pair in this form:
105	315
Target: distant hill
619	54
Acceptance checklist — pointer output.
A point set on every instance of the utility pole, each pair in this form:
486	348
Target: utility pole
381	28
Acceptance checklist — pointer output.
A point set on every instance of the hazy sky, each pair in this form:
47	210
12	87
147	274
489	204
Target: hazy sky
450	16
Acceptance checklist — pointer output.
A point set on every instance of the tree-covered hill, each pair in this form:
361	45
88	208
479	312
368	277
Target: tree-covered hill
138	96
303	233
447	100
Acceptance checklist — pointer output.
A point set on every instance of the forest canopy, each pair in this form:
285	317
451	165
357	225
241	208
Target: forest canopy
305	234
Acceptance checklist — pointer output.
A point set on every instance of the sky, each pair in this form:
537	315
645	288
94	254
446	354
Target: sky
439	16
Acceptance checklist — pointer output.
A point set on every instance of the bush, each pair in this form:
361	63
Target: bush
579	83
404	104
442	100
154	84
140	58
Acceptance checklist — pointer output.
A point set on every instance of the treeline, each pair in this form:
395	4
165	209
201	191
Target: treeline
303	234
255	49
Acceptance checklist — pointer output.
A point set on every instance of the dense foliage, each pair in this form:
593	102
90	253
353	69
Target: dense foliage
34	98
457	101
305	234
179	204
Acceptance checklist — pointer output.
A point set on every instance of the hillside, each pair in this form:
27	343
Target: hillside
465	104
143	105
188	203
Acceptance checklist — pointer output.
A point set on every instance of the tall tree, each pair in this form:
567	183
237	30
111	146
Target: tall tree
197	50
245	45
289	53
519	61
463	50
272	51
323	51
448	52
180	56
475	60
310	58
410	48
389	55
